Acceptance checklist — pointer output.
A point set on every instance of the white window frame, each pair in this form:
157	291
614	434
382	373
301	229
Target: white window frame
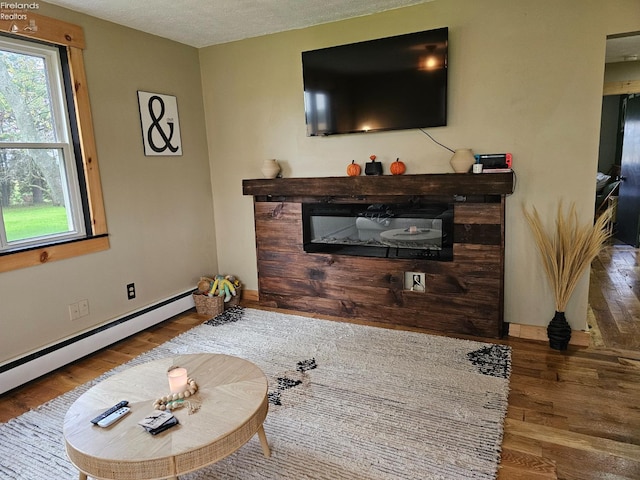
62	127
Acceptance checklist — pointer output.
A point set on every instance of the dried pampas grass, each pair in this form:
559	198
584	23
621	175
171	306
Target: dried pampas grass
569	250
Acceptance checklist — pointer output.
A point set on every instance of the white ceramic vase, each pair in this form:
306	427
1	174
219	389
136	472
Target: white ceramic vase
270	168
462	160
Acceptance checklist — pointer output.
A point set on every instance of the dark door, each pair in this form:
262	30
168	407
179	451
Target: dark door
628	215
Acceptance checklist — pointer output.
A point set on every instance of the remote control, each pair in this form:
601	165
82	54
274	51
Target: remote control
108	412
114	417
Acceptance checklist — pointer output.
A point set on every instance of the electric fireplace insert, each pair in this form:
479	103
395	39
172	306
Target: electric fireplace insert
421	230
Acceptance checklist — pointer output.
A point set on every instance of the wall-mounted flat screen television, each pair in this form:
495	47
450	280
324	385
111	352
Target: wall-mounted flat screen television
390	83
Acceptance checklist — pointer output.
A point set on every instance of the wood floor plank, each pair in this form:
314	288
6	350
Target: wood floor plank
516	443
576	441
598	466
516	464
521	471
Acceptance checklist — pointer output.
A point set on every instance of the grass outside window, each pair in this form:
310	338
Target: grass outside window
34	221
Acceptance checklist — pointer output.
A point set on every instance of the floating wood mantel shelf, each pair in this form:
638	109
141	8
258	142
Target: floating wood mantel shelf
462	296
425	184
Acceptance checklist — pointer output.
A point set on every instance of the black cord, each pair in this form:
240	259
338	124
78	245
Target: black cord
435	141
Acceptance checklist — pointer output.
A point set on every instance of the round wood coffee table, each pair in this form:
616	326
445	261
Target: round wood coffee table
232	400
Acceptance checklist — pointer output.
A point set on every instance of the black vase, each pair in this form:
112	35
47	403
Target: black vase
559	332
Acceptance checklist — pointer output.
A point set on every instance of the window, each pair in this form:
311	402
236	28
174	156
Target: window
50	193
40	198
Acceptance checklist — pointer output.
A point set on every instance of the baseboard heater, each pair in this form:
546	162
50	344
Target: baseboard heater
34	365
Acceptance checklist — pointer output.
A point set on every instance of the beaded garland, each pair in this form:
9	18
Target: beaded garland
176	400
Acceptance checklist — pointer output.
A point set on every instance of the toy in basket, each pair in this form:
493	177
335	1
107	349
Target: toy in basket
216	294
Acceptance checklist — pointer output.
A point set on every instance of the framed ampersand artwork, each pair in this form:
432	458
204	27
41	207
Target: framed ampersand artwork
160	124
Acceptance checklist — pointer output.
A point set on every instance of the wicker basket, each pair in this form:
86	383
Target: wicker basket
235	299
209	306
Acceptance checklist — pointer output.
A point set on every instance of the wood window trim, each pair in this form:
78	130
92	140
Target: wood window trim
72	37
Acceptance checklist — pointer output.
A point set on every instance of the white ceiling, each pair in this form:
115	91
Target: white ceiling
622	48
201	23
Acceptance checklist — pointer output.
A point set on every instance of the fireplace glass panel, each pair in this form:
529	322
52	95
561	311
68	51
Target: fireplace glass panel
380	230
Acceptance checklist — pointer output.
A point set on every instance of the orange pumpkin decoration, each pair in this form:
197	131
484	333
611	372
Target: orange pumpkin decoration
373	157
398	167
353	170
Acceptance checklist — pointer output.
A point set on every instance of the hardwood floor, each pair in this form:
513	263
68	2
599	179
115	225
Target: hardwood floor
576	415
614	296
571	415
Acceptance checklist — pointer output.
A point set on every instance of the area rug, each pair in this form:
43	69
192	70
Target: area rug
346	402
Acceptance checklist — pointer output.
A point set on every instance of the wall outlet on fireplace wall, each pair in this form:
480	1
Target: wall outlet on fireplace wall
415	281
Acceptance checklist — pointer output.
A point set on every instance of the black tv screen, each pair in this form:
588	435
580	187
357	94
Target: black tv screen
391	83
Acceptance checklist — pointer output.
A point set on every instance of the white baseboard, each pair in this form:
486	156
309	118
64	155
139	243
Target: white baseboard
18	372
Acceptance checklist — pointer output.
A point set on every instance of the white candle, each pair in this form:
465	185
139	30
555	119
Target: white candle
177	380
413	229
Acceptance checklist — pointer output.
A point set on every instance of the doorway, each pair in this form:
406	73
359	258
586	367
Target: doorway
618	177
614	293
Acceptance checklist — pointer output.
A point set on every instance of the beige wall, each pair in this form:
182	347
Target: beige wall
159	209
525	77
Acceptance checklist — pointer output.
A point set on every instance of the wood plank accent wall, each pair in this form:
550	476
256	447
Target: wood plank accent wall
462	296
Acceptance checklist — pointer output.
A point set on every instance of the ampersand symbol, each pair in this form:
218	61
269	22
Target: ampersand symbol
155	124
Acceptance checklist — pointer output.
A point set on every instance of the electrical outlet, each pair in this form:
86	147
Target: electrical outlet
79	309
74	311
83	308
415	281
131	291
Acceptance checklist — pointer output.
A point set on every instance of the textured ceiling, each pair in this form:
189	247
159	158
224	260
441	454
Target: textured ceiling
623	48
201	23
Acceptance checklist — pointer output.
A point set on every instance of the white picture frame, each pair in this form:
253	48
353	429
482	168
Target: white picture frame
160	124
